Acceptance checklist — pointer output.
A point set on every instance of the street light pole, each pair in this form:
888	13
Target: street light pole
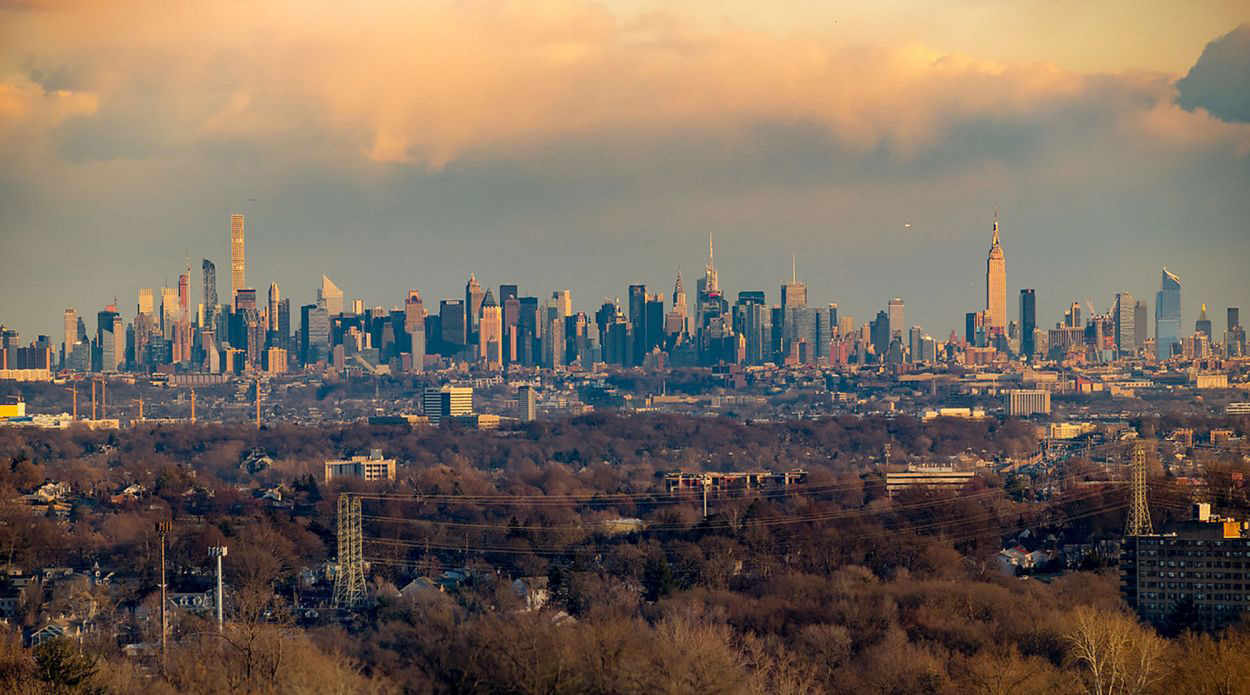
219	551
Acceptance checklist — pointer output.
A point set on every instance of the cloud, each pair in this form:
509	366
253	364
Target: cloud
1220	81
387	83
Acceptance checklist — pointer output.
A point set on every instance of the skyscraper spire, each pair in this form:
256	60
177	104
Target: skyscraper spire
794	274
995	242
710	282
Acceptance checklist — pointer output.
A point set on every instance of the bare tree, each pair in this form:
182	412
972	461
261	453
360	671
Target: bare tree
1115	654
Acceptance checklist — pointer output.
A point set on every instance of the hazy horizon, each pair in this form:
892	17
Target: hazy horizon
592	145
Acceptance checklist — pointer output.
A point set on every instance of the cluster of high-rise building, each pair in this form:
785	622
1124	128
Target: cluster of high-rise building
495	328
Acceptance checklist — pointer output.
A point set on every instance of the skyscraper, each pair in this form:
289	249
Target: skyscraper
274	297
793	293
71	332
1028	323
1203	324
490	332
210	284
1124	320
707	286
1168	316
284	322
895	308
330	296
637	321
1139	324
473	296
1234	334
564	300
238	275
451	317
679	321
996	284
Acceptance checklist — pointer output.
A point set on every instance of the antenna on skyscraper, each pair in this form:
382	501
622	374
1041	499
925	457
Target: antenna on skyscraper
794	272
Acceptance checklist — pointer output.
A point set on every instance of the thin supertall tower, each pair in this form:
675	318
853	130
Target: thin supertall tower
238	274
996	283
349	579
1138	511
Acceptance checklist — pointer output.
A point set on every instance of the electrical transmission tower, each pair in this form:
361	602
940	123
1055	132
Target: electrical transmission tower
349	580
1138	512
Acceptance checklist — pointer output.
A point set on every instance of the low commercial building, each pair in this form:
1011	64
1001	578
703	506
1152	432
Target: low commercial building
447	402
942	478
1025	402
371	467
675	483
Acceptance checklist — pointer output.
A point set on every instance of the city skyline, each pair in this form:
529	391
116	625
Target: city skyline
1113	151
339	300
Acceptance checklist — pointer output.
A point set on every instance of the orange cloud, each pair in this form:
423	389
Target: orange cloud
387	82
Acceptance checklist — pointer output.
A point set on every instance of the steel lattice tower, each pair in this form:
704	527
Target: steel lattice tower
349	580
1138	512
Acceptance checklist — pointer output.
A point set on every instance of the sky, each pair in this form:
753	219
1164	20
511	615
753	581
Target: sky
590	145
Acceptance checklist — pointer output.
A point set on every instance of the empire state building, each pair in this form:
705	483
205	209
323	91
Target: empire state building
996	284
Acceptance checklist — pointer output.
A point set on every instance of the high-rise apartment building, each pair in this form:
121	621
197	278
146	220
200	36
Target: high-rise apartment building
284	323
210	284
527	403
1198	563
275	296
1168	316
996	284
238	274
1028	323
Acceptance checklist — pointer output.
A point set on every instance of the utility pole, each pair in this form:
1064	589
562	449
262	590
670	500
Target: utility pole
104	399
349	579
258	403
192	406
707	482
1138	512
219	551
162	529
140	408
74	393
93	383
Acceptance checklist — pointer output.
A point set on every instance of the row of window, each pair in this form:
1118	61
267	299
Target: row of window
1195	585
1184	596
1194	575
1212	608
1173	542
